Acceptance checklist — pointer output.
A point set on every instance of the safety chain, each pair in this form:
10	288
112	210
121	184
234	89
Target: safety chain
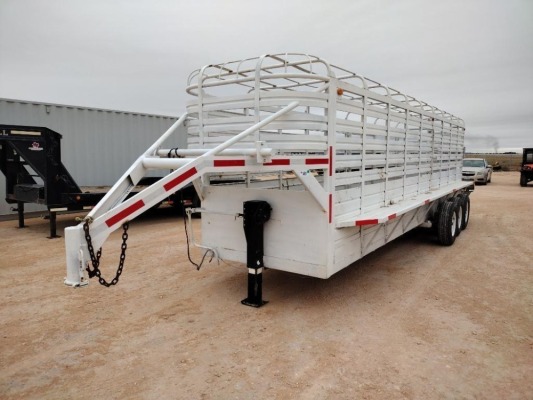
95	258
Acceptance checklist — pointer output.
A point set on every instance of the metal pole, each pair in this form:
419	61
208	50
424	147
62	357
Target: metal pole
20	210
53	225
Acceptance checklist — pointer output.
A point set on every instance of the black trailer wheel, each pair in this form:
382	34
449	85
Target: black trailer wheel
459	206
447	227
523	179
466	210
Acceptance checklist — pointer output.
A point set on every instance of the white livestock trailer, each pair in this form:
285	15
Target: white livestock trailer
300	166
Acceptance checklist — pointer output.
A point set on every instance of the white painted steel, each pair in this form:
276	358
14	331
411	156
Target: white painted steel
290	236
164	163
112	211
189	227
265	152
234	139
370	162
76	261
133	175
384	214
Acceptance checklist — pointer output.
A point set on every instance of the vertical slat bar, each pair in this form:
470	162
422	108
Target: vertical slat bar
387	156
363	156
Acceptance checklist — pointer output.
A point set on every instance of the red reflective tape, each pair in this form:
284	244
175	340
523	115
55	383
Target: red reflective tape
179	179
279	161
392	216
366	222
330	208
314	161
330	160
124	213
228	163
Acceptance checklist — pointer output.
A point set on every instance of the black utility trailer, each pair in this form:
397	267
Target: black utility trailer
30	159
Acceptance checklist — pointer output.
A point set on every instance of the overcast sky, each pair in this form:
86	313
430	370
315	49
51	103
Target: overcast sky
472	58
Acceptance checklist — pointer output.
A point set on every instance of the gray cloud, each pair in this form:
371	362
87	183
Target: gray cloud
473	59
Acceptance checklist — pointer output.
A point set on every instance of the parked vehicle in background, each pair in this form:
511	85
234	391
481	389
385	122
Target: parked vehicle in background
477	170
526	169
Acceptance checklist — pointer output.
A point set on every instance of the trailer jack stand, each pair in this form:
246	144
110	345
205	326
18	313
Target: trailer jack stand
255	214
20	211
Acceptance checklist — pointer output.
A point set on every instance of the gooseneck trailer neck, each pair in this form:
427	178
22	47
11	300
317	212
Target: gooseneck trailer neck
345	163
30	159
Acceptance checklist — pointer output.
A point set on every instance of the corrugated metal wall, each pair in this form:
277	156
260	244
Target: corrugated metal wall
97	146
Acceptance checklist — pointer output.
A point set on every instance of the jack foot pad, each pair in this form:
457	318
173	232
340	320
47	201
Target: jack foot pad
253	302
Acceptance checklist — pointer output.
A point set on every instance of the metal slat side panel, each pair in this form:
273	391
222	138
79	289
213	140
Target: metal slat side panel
386	151
386	147
97	145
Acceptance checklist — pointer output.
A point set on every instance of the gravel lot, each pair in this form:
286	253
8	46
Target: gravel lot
412	320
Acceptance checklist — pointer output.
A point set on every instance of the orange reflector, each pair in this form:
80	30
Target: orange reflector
340	91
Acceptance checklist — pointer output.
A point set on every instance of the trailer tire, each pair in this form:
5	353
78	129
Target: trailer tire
523	179
466	210
459	204
447	227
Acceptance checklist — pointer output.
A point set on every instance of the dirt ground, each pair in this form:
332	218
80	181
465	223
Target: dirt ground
412	320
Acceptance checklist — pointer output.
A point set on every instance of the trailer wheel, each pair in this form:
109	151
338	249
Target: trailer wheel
466	210
447	227
523	179
459	206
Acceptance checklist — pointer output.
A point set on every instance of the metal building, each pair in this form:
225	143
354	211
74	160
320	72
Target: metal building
98	145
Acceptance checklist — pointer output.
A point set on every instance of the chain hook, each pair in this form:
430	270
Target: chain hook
95	258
